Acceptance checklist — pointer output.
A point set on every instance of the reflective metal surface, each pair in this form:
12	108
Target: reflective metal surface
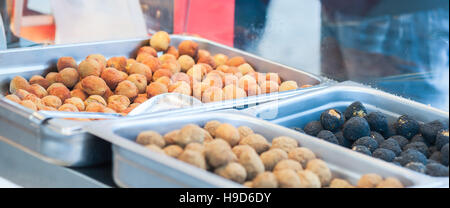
136	166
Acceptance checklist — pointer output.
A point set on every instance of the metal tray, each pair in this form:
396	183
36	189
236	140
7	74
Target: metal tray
136	166
63	142
298	111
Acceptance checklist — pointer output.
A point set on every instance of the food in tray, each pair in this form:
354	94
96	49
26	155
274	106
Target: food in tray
422	147
246	157
185	69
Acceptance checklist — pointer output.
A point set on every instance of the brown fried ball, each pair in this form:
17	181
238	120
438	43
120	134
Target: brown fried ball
148	50
140	81
189	134
288	164
90	67
251	162
119	63
172	66
244	131
390	183
118	103
162	73
196	73
218	153
143	69
140	98
170	137
78	86
287	178
95	99
188	47
155	148
38	79
13	98
68	108
21	93
66	62
186	62
180	77
340	183
213	81
173	51
150	137
160	41
228	133
209	60
257	142
156	88
181	88
141	57
238	149
164	80
195	147
220	59
302	155
68	76
246	81
272	157
235	61
248	184
173	151
230	79
370	180
265	180
253	89
212	94
288	85
245	68
29	104
233	92
59	90
18	82
93	85
113	77
77	102
167	58
95	107
152	63
232	171
127	89
320	168
37	101
99	58
46	108
52	101
194	158
211	127
38	90
274	77
285	143
308	179
268	87
51	78
108	93
228	69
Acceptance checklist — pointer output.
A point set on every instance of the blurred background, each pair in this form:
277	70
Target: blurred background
398	46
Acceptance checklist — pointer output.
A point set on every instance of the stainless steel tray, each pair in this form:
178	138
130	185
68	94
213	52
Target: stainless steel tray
136	166
298	111
64	142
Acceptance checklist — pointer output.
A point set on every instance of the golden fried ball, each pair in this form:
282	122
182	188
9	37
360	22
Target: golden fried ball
21	93
38	90
288	164
235	61
245	68
274	77
229	133
51	78
287	178
252	163
302	155
233	92
195	147
370	180
66	62
257	142
118	102
68	108
95	107
188	47
156	88
95	99
150	137
186	62
194	158
90	67
173	151
390	183
189	134
29	104
140	98
288	85
127	89
172	66
218	153
220	59
113	77
181	88
173	51
160	41
99	58
232	171
155	148
18	82
167	58
162	73
212	94
68	76
38	79
148	50
13	98
170	137
285	143
238	149
177	77
143	69
308	179
140	81
320	168
340	183
265	180
77	102
272	157
52	101
119	63
211	127
152	62
268	87
93	85
59	90
164	80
